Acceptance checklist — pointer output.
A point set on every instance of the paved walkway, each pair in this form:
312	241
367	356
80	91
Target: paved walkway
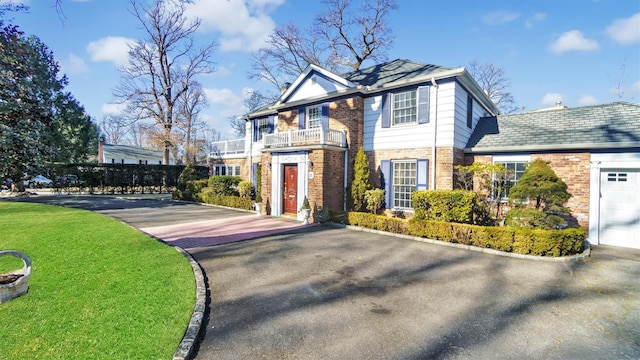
330	293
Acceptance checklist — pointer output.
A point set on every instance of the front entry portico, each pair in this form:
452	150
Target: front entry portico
289	182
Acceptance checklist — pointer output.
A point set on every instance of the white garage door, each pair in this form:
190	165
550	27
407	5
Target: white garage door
620	207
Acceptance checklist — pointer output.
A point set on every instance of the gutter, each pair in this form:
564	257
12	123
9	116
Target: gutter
552	147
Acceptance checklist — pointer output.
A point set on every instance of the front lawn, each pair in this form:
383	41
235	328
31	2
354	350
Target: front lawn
98	289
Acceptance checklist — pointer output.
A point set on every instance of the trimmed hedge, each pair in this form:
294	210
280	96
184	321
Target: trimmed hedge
224	200
522	241
377	222
445	205
224	185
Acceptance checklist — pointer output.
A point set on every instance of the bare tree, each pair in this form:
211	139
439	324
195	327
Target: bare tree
189	106
114	128
493	80
162	67
342	38
252	101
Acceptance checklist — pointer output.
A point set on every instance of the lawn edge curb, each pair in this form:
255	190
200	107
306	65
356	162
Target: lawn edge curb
579	257
194	329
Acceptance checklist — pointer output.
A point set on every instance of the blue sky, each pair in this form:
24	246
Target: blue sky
577	52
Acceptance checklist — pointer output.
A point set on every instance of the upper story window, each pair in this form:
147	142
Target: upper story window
314	117
404	108
263	128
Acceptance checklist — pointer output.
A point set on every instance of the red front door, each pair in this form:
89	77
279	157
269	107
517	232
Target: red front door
290	189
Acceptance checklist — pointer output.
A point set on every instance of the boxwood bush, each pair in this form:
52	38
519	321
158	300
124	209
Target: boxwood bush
225	200
522	241
445	205
377	222
224	185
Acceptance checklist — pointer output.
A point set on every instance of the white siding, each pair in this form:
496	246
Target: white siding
462	132
322	86
413	135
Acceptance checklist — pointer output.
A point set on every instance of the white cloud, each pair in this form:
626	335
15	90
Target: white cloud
111	48
74	64
537	17
499	17
113	108
635	87
585	100
244	25
15	2
625	31
550	99
226	102
572	41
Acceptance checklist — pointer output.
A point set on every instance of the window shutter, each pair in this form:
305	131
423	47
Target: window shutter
423	104
385	181
469	111
255	129
325	116
422	174
386	110
301	118
272	122
255	175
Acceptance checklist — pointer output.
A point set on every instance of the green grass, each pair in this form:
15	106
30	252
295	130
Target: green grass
98	290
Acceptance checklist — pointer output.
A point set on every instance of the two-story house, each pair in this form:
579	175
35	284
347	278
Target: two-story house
412	120
415	122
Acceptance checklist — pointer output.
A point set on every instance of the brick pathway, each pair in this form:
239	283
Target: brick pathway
220	231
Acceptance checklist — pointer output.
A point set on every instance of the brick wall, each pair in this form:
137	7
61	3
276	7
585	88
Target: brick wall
573	169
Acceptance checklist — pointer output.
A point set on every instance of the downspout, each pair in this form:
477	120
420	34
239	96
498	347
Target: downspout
346	171
435	138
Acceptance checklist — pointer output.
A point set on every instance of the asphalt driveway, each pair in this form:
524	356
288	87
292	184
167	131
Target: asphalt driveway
330	293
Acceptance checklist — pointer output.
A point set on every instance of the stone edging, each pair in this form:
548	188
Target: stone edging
585	254
188	342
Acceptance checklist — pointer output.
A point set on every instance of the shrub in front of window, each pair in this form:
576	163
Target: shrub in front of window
374	199
540	185
360	183
224	185
486	179
245	189
445	205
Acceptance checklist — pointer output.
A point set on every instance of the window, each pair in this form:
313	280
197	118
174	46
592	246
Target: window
230	170
262	128
617	177
314	117
505	182
403	183
404	108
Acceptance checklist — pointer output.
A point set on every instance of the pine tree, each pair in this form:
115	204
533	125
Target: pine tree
540	184
360	183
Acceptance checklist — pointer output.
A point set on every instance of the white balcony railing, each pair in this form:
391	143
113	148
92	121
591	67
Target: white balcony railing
315	136
229	147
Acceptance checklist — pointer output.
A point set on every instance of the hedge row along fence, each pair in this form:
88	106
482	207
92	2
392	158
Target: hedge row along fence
118	178
516	240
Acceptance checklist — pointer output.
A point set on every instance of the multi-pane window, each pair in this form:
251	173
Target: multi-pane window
230	170
262	128
314	117
404	183
506	181
404	107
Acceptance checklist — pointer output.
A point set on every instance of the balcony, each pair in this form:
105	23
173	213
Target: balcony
308	138
220	149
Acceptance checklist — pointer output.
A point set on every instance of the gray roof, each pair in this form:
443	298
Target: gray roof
608	126
391	71
131	153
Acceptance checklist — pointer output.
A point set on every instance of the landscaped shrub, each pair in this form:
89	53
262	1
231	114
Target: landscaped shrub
245	189
377	222
224	200
540	185
374	199
360	183
532	219
522	241
445	205
224	185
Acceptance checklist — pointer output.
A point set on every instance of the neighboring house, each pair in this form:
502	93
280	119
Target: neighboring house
122	154
594	149
416	122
